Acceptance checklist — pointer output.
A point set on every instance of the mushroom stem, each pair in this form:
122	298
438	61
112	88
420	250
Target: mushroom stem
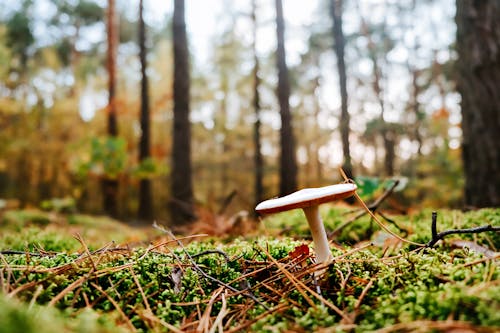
318	232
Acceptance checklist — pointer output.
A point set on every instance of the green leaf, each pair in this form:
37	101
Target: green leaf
108	156
367	185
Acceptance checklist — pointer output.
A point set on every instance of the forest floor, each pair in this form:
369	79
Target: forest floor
78	273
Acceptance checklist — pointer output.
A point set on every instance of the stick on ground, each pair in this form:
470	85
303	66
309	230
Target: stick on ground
439	236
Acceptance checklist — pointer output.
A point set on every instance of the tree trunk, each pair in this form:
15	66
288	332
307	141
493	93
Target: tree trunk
390	151
478	65
181	203
223	130
415	107
145	211
111	65
319	166
288	162
110	185
416	90
339	42
258	160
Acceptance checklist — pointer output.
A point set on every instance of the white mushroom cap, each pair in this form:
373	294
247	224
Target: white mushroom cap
307	197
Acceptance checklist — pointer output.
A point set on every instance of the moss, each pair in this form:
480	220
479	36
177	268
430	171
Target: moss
19	317
376	287
18	219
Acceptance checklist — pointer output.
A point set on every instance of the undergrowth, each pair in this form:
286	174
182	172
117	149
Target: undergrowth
256	283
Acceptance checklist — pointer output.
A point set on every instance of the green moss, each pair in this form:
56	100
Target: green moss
396	287
19	317
18	219
32	238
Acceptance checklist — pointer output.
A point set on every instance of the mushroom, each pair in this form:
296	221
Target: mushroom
309	200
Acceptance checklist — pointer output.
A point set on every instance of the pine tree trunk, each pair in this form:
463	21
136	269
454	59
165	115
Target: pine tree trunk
390	151
181	202
415	106
318	170
258	160
288	162
416	89
145	211
478	46
336	14
109	186
111	65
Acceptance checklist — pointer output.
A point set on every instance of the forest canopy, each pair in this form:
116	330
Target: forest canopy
90	95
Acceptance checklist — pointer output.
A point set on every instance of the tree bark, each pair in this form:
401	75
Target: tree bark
339	42
110	185
145	211
181	203
415	107
317	108
390	149
111	65
258	160
478	65
288	162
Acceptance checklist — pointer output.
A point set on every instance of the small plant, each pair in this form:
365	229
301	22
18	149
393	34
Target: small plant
59	205
108	156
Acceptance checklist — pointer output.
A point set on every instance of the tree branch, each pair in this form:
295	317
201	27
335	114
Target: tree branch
439	236
373	207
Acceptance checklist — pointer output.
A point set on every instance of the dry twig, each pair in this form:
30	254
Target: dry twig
301	287
117	307
439	236
203	273
381	225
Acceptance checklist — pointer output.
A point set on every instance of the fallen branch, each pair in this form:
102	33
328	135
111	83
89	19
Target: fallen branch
222	253
32	254
439	236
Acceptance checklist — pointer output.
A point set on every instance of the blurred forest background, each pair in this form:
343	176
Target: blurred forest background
141	108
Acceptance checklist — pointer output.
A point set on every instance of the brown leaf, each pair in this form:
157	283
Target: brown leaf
300	251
